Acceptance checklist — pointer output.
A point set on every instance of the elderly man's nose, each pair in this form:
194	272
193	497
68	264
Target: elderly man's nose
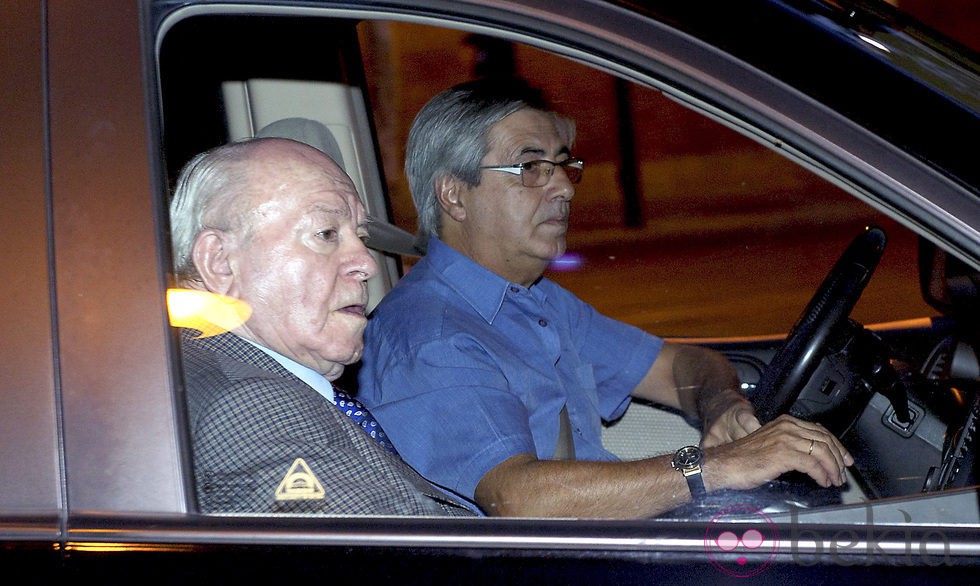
362	264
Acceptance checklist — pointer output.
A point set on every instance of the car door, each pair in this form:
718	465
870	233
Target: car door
109	99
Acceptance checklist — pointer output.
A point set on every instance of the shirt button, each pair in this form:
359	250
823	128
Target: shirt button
514	289
543	323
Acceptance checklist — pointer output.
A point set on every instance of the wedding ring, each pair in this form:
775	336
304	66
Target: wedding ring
810	451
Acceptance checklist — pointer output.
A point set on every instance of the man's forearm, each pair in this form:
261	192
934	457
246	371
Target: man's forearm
707	383
524	486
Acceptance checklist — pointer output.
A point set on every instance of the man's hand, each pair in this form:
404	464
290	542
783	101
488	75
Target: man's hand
734	422
783	445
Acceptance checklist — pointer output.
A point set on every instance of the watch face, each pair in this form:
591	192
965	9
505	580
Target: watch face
688	456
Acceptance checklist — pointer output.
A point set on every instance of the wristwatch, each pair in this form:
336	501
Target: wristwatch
687	461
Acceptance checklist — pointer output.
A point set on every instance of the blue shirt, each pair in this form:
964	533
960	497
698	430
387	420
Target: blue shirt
464	369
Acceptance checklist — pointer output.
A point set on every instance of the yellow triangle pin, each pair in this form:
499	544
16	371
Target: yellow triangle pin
299	484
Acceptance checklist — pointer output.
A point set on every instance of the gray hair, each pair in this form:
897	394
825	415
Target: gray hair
449	138
203	197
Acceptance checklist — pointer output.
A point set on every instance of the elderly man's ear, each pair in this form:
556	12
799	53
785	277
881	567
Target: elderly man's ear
211	257
449	192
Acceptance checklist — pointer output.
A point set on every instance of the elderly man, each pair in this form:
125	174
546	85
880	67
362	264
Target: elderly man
476	365
277	224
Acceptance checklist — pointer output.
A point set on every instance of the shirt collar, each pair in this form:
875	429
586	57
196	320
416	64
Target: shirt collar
302	372
483	289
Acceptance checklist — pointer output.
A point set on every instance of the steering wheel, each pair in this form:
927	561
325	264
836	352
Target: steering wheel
793	365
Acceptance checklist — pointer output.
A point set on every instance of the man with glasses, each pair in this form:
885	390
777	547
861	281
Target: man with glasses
493	381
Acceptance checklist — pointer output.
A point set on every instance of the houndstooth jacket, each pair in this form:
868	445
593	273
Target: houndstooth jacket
263	441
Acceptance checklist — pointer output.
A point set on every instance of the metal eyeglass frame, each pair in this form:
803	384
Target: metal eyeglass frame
520	168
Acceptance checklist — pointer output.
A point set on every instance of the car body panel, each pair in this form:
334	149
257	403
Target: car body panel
110	291
30	477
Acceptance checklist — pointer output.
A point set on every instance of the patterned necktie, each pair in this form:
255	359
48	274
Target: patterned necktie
361	416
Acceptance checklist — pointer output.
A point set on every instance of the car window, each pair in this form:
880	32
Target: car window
681	226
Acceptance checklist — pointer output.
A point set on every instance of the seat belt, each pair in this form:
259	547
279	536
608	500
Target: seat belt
565	449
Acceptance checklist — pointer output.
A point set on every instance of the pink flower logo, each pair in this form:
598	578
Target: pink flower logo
741	541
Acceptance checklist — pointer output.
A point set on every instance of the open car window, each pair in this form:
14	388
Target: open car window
682	226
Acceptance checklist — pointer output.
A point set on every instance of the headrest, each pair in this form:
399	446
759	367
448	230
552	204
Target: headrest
305	130
385	237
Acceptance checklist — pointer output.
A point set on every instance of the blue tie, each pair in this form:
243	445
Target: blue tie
361	416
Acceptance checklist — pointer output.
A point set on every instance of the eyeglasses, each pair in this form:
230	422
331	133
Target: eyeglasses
538	173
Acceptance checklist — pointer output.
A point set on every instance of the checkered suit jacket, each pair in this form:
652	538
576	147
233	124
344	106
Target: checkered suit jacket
251	419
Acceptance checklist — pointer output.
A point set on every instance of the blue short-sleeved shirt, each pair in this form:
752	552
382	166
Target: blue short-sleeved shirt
464	369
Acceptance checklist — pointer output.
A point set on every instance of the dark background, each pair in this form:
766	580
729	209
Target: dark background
720	236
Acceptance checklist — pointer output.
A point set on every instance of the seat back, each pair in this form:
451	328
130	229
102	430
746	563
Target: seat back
647	430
